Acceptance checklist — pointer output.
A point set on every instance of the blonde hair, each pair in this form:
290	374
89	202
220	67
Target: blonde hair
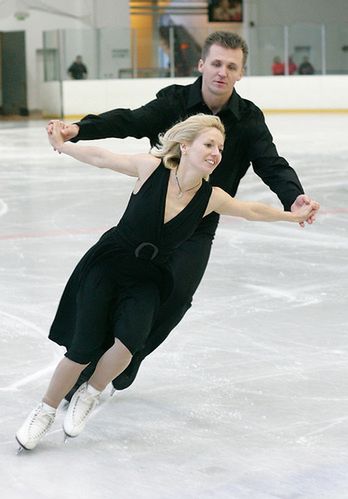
184	131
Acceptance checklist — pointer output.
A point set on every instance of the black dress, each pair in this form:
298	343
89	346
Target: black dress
119	284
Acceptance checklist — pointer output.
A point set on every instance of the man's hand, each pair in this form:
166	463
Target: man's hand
68	131
301	200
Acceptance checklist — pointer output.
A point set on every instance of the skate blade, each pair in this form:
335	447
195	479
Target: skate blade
21	449
67	438
112	392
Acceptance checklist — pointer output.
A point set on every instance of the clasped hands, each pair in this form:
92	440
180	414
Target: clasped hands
303	200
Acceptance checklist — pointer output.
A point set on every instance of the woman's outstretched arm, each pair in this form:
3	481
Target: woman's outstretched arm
129	164
223	203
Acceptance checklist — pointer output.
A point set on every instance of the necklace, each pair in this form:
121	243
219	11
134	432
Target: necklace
182	192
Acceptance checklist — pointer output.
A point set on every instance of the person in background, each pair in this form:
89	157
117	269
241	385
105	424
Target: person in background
248	142
277	67
306	68
78	70
292	67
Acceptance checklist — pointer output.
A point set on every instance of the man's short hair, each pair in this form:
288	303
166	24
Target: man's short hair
227	40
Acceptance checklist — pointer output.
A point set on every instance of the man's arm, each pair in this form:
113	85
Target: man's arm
146	121
274	170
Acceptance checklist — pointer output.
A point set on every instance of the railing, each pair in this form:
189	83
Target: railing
170	51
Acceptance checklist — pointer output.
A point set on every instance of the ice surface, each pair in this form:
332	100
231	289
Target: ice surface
248	397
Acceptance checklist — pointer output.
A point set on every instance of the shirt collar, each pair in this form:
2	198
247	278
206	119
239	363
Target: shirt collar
195	98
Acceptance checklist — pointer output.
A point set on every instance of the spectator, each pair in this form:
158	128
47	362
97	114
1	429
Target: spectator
277	67
291	66
306	68
78	70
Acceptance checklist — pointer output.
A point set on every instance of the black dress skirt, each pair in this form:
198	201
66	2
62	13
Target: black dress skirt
119	284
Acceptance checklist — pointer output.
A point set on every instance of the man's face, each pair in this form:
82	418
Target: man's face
220	70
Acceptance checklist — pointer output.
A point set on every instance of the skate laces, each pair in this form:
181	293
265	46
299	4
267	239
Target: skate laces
40	422
84	404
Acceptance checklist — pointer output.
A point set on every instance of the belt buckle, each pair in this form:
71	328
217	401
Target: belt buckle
142	246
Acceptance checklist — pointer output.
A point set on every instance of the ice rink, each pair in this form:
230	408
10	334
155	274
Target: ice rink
247	398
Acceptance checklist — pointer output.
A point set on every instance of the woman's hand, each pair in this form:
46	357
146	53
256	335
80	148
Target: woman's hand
55	135
302	201
305	210
68	130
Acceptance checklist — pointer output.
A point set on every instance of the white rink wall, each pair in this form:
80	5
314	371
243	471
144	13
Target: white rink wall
74	99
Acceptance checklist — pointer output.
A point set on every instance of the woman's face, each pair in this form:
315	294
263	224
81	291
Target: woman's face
204	153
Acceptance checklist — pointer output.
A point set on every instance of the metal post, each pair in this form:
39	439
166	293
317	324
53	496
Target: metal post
246	29
135	54
98	51
323	49
172	51
60	59
286	50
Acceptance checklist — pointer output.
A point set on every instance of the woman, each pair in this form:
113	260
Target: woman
110	300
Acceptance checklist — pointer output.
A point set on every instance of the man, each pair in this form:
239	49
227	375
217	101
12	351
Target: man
248	140
306	68
78	70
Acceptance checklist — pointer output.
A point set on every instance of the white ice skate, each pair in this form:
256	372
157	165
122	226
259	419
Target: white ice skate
80	408
35	426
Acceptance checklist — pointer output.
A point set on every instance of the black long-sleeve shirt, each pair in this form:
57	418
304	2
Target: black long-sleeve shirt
248	139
